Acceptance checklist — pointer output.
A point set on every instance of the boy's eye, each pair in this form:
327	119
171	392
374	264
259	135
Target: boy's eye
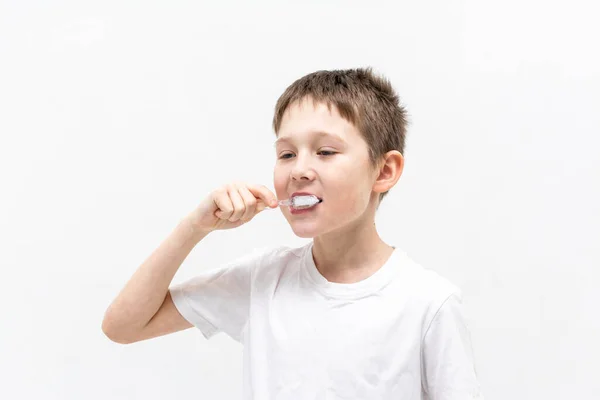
323	152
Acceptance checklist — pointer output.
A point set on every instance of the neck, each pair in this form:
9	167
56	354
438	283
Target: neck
352	253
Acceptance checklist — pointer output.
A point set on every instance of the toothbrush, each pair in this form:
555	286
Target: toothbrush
304	201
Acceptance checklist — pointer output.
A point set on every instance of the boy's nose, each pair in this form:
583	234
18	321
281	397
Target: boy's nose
303	175
302	171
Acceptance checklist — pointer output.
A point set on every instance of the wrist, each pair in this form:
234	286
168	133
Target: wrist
197	233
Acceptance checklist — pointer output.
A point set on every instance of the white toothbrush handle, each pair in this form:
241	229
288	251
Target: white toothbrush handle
286	202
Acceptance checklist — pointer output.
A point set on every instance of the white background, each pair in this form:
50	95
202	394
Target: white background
118	117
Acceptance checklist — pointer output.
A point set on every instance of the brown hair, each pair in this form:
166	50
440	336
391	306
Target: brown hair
363	98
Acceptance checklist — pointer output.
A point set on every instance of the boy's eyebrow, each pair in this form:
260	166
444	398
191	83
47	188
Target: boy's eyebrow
318	134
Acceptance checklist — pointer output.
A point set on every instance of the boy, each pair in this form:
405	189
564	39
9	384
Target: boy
345	316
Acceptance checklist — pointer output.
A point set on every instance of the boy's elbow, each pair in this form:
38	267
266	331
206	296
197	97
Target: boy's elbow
115	335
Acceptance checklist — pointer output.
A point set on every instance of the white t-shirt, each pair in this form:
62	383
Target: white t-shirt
398	334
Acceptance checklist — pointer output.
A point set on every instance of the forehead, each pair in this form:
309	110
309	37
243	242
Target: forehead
310	119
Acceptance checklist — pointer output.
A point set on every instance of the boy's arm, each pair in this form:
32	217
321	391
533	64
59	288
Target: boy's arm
144	308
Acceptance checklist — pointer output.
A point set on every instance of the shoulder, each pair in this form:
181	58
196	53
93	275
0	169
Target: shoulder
426	282
427	288
277	253
276	258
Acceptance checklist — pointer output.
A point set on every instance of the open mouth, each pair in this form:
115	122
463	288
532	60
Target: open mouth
302	202
303	209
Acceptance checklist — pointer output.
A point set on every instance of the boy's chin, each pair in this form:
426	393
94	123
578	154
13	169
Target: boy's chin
307	234
306	230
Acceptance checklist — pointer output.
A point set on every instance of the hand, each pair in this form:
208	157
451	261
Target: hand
231	206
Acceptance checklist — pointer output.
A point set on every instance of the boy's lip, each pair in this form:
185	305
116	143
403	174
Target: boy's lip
294	211
305	194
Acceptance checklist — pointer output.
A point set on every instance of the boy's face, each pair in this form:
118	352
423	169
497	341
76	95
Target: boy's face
321	153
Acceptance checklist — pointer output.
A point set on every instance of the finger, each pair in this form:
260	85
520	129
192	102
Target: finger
250	202
263	193
223	203
238	204
260	206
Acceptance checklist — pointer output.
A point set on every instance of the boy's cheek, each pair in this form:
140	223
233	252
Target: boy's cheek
280	185
279	182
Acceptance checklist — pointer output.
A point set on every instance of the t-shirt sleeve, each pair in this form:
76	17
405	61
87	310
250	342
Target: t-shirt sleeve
447	355
218	300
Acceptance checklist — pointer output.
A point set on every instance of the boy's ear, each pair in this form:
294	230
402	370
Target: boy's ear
390	170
